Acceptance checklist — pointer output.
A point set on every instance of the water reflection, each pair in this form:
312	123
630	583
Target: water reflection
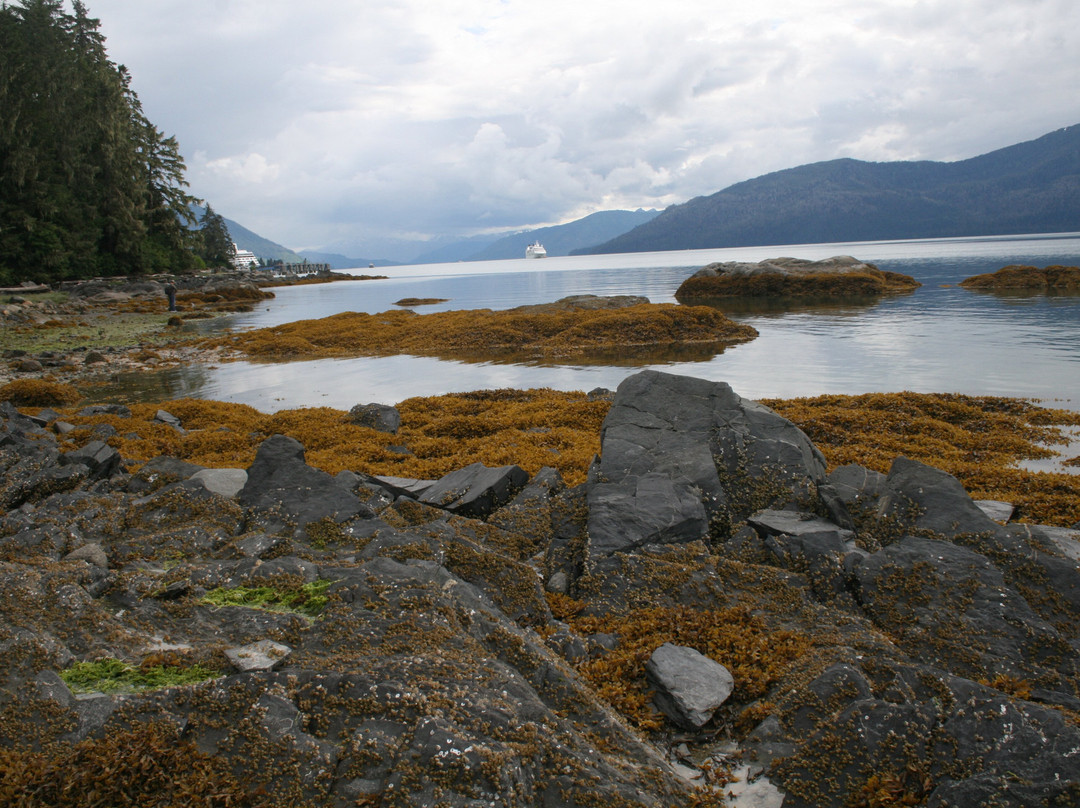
939	338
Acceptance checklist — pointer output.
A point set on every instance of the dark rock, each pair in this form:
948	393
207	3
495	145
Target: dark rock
380	417
690	687
279	480
927	498
106	409
649	508
950	606
102	460
710	444
476	490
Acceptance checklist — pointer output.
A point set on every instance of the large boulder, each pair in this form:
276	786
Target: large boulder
281	481
721	457
840	275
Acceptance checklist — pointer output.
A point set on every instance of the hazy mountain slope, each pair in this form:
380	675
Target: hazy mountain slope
262	247
338	261
1031	187
561	239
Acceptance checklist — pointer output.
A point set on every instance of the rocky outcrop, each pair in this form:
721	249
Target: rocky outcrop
1021	279
370	640
840	276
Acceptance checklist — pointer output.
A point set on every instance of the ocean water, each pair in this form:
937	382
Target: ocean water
941	338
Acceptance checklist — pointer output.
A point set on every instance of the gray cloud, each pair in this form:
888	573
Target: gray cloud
326	122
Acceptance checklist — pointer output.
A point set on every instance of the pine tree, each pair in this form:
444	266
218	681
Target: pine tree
217	244
87	184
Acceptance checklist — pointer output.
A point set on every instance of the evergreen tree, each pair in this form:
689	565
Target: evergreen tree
87	184
217	244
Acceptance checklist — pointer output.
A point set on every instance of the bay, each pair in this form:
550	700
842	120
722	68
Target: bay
941	338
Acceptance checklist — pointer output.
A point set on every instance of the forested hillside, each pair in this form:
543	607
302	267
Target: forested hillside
88	185
1031	187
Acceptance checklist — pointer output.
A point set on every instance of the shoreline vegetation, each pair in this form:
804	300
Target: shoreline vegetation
978	439
572	329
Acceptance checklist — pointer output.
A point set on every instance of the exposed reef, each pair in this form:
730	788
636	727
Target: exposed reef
840	276
1018	278
572	329
273	634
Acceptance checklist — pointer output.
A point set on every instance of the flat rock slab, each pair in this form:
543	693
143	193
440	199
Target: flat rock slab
476	490
689	686
264	655
226	482
772	522
998	511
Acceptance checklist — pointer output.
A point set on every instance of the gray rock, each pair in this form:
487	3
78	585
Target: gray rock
380	417
281	482
102	460
106	409
403	486
709	443
92	553
167	418
226	482
476	490
771	522
998	511
856	485
646	509
940	502
950	606
264	655
689	686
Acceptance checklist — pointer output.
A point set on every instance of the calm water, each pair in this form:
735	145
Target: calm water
939	339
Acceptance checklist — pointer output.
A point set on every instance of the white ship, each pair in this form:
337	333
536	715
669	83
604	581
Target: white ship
535	250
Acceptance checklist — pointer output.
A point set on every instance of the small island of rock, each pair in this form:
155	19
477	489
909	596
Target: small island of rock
839	276
1018	278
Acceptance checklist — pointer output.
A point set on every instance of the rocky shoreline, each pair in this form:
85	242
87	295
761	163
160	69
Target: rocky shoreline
709	611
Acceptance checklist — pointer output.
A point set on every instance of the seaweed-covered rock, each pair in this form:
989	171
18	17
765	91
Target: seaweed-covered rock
839	276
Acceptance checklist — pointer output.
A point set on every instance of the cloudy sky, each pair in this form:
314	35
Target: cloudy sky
336	123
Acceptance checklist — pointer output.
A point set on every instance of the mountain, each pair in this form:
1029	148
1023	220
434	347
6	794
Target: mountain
1031	187
262	247
561	239
247	240
338	261
448	251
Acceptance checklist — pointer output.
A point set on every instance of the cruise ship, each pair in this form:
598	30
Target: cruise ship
535	250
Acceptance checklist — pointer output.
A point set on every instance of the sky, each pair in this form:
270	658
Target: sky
345	125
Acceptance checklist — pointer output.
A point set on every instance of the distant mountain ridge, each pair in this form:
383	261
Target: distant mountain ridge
1031	187
561	239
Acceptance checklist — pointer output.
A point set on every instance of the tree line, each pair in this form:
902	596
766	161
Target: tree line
88	185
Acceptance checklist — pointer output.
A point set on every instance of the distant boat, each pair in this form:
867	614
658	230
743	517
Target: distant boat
535	250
